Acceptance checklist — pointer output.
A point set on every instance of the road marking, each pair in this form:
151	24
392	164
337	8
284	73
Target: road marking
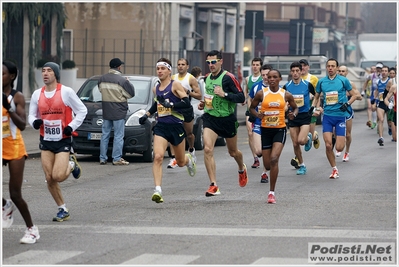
42	257
246	232
162	259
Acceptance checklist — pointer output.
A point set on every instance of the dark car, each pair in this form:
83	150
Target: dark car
138	138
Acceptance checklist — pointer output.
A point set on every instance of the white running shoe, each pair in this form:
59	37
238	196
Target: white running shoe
191	166
172	164
337	154
8	217
31	235
193	155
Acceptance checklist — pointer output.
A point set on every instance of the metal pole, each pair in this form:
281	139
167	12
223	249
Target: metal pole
346	34
253	33
303	37
237	30
297	37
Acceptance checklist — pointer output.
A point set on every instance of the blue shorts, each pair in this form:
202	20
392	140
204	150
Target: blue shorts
337	122
256	128
350	116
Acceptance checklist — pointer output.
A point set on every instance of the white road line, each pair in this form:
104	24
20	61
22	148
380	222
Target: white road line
164	259
247	232
42	257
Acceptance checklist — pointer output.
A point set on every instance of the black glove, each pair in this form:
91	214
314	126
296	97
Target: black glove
251	118
143	119
68	131
310	112
6	105
163	102
344	107
37	124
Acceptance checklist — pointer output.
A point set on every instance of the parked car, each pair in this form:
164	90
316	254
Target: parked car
138	138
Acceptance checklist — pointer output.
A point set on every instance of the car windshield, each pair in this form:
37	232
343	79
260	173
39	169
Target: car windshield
90	92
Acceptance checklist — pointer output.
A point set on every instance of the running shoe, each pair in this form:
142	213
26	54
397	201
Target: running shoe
172	163
316	142
31	235
368	123
256	164
62	215
308	144
212	191
157	197
192	153
373	125
271	199
77	170
345	157
337	153
120	162
243	177
264	179
381	141
334	174
301	171
295	163
103	162
8	218
389	131
191	166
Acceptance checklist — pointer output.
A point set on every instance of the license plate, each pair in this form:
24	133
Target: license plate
94	136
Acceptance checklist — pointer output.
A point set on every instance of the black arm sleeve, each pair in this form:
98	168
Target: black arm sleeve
153	108
311	89
233	88
184	103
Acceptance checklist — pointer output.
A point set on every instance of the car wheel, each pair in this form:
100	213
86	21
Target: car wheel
148	155
199	137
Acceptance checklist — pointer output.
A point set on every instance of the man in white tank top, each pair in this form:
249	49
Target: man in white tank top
190	83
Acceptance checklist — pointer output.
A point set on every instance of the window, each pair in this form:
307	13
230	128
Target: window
67	45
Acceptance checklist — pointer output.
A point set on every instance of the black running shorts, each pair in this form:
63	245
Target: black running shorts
301	119
173	132
64	145
225	127
272	135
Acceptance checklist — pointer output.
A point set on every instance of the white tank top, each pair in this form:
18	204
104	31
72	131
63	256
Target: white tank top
185	81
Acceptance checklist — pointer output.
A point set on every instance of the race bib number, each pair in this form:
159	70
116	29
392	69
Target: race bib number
52	130
299	100
162	111
208	101
332	98
6	127
271	118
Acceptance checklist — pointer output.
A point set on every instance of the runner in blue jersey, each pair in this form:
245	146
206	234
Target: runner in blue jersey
335	108
300	125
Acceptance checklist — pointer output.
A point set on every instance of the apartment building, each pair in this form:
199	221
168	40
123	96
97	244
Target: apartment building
140	33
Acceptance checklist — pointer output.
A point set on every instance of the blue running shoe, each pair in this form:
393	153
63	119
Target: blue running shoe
62	215
77	170
308	145
301	171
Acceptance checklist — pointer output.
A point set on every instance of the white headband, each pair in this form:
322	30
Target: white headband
162	63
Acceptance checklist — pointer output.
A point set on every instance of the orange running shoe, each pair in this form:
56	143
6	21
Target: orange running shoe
334	174
243	177
212	191
271	199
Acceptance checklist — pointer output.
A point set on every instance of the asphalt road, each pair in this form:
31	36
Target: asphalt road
114	222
